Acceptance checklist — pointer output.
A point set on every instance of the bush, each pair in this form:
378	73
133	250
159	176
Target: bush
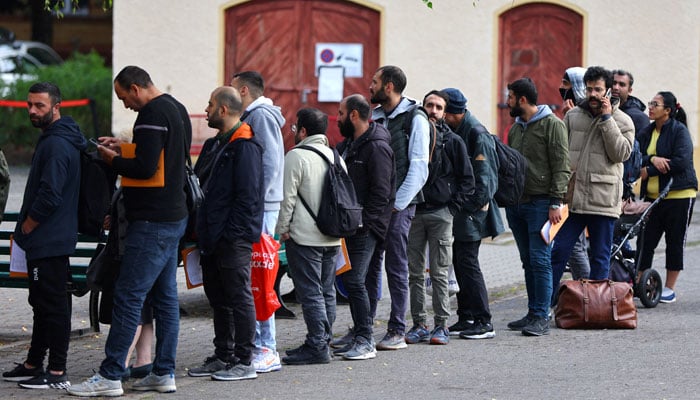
81	76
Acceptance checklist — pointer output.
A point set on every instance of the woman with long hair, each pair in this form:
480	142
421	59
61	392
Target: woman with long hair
668	153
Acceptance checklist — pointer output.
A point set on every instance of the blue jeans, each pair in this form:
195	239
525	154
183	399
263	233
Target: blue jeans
396	265
313	272
265	331
525	221
360	250
600	234
149	265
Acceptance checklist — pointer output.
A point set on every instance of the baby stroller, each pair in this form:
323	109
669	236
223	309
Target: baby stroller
624	262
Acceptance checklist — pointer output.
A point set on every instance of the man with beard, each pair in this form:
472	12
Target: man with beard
630	105
229	221
47	230
601	137
450	183
370	161
311	254
410	146
547	152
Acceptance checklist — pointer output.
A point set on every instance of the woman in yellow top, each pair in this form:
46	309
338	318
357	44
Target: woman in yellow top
668	153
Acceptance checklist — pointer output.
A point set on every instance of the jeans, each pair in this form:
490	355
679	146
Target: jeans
433	228
472	298
395	247
600	234
49	301
360	250
313	272
149	265
525	221
226	277
265	331
578	261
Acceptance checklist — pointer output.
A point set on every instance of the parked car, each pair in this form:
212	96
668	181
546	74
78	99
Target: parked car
18	58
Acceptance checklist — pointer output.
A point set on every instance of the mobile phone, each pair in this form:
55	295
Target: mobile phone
608	94
95	142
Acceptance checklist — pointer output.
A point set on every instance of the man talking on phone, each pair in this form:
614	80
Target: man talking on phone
600	140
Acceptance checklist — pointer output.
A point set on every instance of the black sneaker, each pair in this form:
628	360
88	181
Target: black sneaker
538	326
521	323
46	381
480	330
308	355
21	373
459	326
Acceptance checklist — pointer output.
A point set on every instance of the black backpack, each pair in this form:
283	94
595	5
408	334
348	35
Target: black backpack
340	214
97	185
512	170
437	139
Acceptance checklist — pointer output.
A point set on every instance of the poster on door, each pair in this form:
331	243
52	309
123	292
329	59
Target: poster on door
347	55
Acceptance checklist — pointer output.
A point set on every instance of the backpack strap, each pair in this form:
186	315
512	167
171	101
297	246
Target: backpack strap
323	156
408	124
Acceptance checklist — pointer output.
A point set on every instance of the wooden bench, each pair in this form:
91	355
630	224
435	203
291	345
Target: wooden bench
79	261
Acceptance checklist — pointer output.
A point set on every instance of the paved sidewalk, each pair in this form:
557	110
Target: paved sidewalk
657	360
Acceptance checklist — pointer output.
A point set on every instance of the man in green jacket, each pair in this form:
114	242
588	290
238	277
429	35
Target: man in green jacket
541	137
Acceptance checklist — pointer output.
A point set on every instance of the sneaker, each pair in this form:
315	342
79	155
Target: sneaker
392	341
46	381
419	333
344	340
361	350
235	372
211	365
440	335
97	386
341	351
667	296
521	323
156	383
308	355
267	360
538	326
480	330
22	373
459	326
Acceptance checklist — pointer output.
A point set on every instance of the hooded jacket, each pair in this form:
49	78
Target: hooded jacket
598	145
370	162
267	121
233	193
51	194
543	142
635	109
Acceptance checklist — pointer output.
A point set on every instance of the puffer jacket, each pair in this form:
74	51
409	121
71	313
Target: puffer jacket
597	148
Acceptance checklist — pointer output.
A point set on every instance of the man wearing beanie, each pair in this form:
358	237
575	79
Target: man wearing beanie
479	218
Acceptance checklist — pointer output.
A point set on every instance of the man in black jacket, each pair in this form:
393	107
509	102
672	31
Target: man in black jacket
370	163
632	106
450	183
229	221
47	230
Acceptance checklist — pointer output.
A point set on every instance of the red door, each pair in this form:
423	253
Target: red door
539	41
278	37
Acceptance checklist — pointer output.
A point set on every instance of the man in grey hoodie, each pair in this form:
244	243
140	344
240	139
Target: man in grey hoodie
266	120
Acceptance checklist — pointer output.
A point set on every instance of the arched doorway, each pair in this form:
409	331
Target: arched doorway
278	38
538	40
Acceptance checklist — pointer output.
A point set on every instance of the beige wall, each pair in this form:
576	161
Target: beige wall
455	44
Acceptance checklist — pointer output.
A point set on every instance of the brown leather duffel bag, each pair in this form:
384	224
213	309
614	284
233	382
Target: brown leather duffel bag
589	304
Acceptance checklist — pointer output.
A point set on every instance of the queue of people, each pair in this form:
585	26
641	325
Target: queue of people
425	176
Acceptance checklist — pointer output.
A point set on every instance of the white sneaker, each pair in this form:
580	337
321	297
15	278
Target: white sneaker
97	386
267	360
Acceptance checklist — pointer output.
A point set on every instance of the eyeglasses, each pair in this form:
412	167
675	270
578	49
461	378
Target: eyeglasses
654	104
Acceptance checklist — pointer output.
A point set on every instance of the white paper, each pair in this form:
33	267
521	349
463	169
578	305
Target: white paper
18	259
330	84
348	55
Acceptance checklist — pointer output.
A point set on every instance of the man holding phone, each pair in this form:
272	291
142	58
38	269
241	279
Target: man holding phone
600	140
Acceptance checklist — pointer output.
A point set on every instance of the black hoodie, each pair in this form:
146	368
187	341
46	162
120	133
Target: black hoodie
51	194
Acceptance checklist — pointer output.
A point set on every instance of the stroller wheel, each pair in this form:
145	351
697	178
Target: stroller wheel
649	287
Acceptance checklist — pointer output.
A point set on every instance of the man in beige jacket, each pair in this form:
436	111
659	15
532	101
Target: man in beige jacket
310	253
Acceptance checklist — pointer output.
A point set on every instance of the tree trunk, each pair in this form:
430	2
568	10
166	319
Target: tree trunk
42	22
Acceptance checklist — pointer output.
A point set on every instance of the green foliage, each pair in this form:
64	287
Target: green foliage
428	3
81	76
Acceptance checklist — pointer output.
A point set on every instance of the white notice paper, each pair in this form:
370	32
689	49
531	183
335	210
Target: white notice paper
18	261
330	84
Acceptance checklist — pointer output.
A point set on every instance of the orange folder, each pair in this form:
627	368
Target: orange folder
549	230
157	180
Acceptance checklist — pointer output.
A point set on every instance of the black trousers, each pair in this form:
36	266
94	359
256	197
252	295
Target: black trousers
473	298
49	301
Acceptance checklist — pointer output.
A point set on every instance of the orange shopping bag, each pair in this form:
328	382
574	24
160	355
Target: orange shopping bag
264	264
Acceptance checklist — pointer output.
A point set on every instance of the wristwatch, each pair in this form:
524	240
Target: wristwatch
555	206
